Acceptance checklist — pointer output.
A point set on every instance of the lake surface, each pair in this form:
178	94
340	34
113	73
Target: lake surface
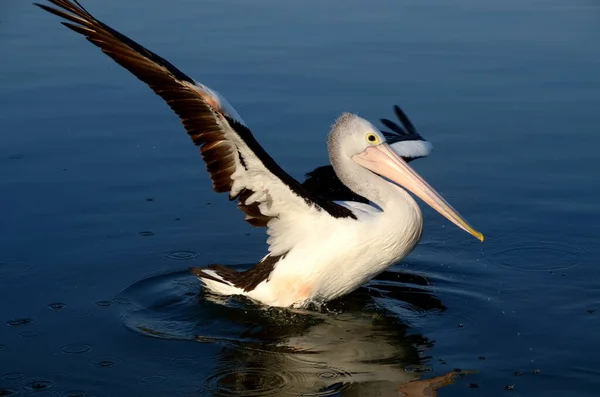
105	203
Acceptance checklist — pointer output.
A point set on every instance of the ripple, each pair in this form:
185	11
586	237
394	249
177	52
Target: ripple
29	334
246	382
13	376
37	384
2	347
153	380
18	322
328	375
56	306
7	392
539	256
14	267
103	303
146	233
76	349
294	348
105	362
181	255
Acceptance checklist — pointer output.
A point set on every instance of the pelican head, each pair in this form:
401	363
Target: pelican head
362	142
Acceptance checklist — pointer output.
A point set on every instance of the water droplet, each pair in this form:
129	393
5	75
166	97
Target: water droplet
181	255
37	384
146	234
14	267
105	362
473	385
76	349
518	373
56	306
17	322
536	371
509	387
103	303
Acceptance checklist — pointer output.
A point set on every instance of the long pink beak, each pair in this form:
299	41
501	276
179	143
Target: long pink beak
382	160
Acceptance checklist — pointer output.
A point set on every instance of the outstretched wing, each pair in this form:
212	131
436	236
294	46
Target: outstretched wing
404	140
236	162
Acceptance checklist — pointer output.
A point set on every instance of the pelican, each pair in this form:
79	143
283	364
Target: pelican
319	249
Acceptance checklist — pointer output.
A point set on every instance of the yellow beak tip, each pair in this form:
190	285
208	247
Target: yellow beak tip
480	236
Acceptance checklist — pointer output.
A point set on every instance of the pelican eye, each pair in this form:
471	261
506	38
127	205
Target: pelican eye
373	139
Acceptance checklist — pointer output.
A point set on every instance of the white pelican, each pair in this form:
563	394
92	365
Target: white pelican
318	249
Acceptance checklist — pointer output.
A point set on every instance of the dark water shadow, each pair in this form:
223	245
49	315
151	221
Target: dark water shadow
353	344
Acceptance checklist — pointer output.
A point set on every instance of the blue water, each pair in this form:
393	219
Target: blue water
91	160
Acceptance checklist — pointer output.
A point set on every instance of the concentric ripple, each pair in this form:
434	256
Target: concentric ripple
12	376
247	382
272	352
105	362
537	256
56	306
37	384
181	255
76	349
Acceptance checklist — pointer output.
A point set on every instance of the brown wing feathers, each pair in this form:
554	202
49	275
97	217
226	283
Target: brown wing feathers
205	124
200	120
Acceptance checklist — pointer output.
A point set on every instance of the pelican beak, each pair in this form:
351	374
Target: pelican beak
382	160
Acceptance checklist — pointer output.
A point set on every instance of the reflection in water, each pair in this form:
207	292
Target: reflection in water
351	344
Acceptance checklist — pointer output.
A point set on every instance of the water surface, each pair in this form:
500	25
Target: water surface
105	203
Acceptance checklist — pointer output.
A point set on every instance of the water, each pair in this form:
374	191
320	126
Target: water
105	203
